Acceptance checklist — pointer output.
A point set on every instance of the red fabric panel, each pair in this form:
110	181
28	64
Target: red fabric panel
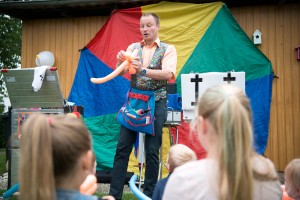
120	30
188	138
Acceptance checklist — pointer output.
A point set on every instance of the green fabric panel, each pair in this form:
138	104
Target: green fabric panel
105	132
225	47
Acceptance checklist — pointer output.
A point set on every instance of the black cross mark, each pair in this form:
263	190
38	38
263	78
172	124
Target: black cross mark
196	80
228	78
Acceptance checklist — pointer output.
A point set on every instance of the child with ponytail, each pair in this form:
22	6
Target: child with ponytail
56	157
232	169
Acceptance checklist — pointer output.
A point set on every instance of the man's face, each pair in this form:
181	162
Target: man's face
149	28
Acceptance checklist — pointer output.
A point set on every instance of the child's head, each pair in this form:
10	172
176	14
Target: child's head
226	109
178	155
292	179
224	128
52	148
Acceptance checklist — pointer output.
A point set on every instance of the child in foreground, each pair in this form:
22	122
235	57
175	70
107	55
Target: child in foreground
56	157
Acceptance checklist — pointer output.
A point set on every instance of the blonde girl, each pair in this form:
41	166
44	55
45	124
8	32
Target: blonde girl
232	169
55	158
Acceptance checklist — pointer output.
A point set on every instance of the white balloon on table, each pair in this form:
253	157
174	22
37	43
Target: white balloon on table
45	58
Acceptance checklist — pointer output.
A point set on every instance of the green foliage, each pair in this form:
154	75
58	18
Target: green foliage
10	43
10	48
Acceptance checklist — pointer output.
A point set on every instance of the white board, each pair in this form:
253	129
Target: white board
194	85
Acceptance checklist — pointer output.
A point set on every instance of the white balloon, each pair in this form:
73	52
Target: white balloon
45	58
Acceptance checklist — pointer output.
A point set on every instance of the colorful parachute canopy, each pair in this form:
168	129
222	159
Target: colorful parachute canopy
207	39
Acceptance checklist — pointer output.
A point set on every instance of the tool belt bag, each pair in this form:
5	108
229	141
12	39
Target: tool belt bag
137	113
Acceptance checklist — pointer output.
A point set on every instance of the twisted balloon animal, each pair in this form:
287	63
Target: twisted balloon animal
119	69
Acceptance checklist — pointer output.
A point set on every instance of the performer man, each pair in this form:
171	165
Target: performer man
155	65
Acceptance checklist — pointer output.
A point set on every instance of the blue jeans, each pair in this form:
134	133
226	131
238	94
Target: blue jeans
152	145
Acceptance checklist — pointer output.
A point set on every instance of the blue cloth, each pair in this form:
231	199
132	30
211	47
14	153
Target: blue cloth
174	102
160	188
97	99
72	195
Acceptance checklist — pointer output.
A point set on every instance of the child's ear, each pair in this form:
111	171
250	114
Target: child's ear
203	124
168	164
87	160
169	168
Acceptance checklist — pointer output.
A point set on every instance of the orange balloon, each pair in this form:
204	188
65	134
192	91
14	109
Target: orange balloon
118	70
132	70
129	57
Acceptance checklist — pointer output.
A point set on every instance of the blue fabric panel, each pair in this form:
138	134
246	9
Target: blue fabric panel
174	102
260	89
97	99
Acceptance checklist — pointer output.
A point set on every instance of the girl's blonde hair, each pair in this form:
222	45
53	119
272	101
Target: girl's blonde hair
178	155
51	146
292	177
227	108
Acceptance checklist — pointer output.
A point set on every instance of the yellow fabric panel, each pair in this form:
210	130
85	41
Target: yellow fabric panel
177	18
133	162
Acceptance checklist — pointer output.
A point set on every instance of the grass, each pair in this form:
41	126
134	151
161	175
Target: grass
126	196
3	169
2	161
129	196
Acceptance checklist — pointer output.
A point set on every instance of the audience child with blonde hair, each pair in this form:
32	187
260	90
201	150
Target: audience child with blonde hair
179	154
232	170
292	179
55	158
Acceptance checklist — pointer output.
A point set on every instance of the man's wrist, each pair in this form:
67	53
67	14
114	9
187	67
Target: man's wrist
143	72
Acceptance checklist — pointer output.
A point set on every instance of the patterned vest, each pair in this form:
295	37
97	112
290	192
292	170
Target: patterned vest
145	83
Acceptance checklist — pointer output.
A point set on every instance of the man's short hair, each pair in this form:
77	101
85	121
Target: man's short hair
155	16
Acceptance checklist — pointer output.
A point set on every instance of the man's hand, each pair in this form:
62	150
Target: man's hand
121	56
136	64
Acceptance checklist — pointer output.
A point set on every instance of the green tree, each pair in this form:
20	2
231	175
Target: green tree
10	57
10	48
